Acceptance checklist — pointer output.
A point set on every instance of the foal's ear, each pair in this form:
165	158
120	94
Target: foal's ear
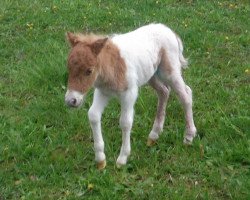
72	39
97	46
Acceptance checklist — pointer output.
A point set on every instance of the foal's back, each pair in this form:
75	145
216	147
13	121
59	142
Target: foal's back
142	50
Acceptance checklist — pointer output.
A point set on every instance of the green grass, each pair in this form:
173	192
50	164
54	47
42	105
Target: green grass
46	149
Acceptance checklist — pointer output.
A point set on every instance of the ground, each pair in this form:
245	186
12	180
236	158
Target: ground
46	149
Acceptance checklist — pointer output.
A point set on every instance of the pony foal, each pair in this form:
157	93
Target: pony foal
118	66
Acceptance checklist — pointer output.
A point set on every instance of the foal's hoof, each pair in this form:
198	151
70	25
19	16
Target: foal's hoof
101	165
189	136
119	165
150	142
188	140
121	161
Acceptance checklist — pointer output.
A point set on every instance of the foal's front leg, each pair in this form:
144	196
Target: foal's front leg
94	114
127	99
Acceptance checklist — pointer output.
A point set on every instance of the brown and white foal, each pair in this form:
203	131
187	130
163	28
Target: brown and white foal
118	66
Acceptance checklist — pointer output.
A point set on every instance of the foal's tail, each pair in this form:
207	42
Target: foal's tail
184	62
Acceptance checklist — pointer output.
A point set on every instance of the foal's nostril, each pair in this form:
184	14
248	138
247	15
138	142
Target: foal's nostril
73	98
73	101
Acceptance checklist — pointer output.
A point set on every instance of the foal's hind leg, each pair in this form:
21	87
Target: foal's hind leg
185	95
163	94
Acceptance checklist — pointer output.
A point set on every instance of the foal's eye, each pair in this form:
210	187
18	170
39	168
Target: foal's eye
88	72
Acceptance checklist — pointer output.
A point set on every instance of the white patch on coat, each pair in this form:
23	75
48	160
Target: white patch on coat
140	49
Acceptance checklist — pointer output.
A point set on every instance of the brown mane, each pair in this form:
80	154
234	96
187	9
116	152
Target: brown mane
88	38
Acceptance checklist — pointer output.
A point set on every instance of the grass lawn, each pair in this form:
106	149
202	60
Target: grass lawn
46	149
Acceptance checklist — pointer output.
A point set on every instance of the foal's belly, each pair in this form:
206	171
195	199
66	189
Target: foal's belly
144	74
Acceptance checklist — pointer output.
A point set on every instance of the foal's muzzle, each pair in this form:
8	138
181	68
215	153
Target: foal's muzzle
74	98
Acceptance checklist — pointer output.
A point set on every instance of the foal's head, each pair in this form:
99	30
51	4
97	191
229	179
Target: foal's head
82	66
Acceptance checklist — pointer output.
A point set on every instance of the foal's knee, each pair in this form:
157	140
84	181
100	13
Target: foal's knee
94	117
126	123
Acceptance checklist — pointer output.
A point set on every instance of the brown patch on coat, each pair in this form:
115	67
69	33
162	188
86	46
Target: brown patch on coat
112	72
165	64
95	60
